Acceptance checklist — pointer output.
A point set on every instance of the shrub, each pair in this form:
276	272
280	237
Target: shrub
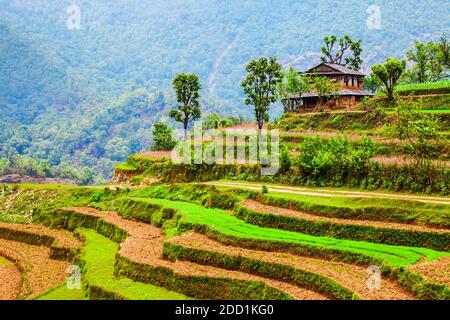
97	196
265	189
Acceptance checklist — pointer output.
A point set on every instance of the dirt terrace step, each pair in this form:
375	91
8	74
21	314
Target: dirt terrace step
63	244
10	280
349	276
144	245
437	271
40	272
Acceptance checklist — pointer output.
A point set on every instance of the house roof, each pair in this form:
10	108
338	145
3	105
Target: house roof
343	92
336	69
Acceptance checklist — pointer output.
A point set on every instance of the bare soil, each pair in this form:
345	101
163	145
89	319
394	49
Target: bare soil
39	272
145	243
436	271
350	276
10	281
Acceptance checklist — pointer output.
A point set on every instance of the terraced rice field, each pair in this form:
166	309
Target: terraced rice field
226	224
350	276
145	247
99	255
259	207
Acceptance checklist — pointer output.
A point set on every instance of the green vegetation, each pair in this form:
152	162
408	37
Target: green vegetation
431	61
260	87
389	74
99	259
187	89
214	121
354	171
63	293
198	210
420	130
56	108
432	240
39	168
357	207
4	262
163	137
125	167
271	270
227	225
438	87
50	197
332	54
293	84
325	88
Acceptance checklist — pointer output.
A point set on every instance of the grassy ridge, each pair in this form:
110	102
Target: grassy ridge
438	87
194	286
302	278
100	256
436	241
63	293
225	223
404	211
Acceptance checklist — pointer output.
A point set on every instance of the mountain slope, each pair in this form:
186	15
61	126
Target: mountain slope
62	90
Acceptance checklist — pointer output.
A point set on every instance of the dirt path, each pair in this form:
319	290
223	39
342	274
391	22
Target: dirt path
350	276
10	280
145	244
39	272
330	192
262	208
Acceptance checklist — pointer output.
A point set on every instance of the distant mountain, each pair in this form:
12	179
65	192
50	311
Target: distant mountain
49	71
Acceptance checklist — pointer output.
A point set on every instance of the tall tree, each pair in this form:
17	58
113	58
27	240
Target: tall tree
293	84
260	87
430	60
347	53
389	73
420	55
444	50
187	88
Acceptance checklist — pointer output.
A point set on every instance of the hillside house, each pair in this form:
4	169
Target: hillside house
351	88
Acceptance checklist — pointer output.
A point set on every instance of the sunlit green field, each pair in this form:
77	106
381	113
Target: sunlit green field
224	222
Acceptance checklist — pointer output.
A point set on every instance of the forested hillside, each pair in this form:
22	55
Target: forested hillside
88	97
